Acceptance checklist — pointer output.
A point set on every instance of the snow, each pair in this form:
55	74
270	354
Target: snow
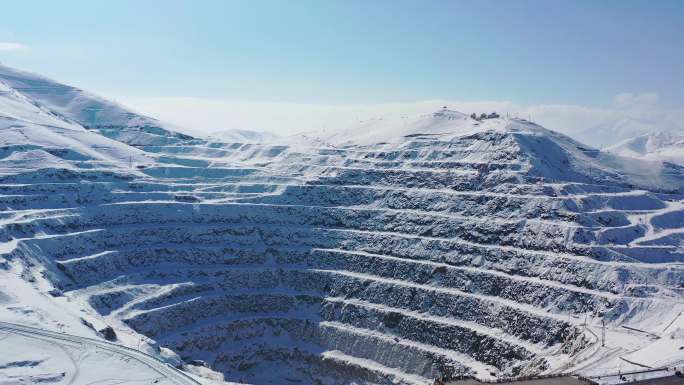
667	351
396	251
654	146
555	151
379	130
29	360
70	103
26	125
243	136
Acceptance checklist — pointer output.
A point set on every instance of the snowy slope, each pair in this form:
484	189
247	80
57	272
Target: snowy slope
379	130
552	155
33	134
391	253
33	355
655	146
88	110
243	136
75	104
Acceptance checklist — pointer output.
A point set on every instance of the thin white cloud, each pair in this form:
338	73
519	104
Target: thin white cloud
629	99
630	115
5	47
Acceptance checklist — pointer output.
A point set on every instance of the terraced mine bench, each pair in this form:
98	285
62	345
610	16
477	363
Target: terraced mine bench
450	248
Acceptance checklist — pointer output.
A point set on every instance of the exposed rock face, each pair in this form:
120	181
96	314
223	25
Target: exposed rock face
476	250
108	333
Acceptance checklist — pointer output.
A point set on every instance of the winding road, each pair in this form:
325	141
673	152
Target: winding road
165	370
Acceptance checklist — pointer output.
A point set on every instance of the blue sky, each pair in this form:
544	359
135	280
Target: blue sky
580	53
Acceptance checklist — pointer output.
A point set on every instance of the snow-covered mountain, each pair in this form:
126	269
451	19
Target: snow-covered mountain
76	106
32	132
394	252
244	136
656	146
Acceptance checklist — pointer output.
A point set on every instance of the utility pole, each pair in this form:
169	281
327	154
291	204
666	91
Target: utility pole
603	333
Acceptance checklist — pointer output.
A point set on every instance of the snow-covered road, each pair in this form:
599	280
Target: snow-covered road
164	372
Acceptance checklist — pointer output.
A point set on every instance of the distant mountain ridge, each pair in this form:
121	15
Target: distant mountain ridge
655	145
243	136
